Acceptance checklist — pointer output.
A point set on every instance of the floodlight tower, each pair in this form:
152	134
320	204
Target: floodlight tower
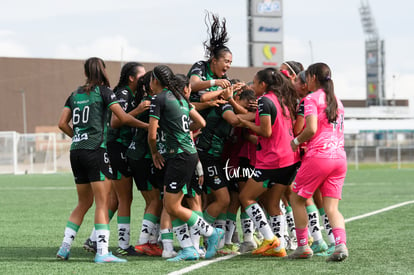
374	57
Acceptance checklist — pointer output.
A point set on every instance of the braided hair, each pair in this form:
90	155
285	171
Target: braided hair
215	46
281	87
129	69
95	73
322	72
166	77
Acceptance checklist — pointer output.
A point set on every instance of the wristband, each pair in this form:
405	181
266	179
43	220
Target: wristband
296	141
212	83
199	169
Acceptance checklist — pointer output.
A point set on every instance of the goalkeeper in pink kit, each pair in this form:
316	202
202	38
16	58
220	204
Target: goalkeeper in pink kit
324	164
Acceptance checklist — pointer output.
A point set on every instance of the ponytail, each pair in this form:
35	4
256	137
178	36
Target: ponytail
281	87
323	74
96	74
129	69
167	79
143	86
215	46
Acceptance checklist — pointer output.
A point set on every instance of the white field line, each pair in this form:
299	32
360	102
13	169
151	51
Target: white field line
366	183
201	264
378	211
208	262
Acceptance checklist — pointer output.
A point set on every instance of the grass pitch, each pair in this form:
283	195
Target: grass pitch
35	209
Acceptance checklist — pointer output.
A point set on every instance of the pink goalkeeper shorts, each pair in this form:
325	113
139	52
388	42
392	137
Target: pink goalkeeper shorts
326	174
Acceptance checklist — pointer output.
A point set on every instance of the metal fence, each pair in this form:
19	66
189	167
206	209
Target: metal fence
49	152
380	147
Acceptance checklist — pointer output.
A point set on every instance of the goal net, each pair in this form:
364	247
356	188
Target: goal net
27	153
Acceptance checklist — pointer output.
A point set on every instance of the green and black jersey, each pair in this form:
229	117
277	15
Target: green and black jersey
126	99
203	71
138	148
174	120
90	117
216	132
139	145
301	107
266	107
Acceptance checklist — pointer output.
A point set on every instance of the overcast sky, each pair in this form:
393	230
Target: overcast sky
173	31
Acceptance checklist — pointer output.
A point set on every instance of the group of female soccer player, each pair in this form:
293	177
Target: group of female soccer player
200	146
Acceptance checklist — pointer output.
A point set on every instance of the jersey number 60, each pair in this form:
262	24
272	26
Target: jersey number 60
77	116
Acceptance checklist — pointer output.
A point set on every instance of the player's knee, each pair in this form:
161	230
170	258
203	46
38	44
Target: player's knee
85	203
244	198
172	208
331	210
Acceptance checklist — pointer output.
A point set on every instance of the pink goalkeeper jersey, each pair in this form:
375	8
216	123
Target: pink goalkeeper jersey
275	152
328	141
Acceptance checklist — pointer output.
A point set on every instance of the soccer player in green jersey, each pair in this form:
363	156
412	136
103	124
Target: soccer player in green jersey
146	177
118	142
171	111
210	143
88	107
119	137
208	79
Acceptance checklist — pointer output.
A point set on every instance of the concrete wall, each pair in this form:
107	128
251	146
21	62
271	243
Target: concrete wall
48	82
